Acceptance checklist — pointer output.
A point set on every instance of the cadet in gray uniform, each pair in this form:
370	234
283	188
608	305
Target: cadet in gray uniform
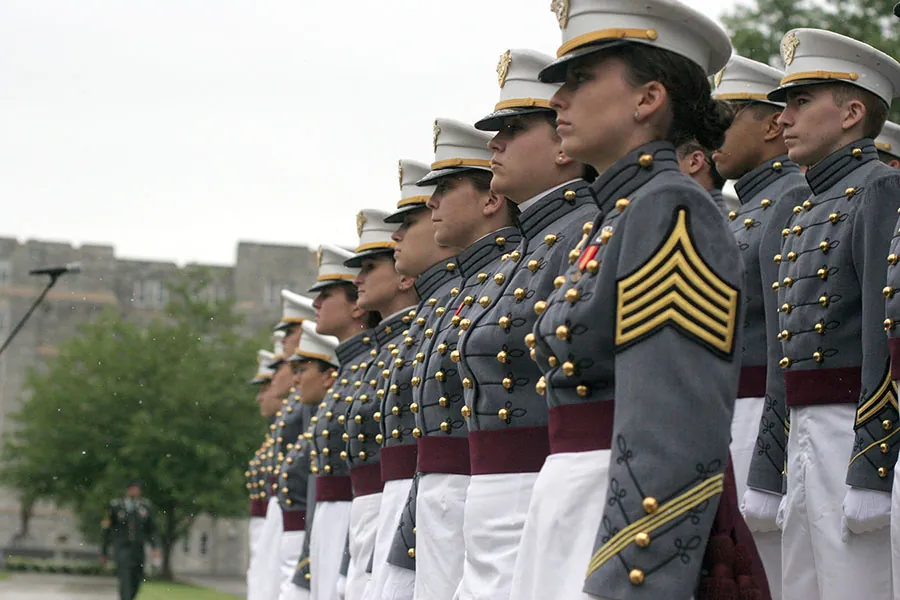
434	266
263	379
696	161
507	418
888	144
466	214
337	315
129	525
835	358
768	185
639	343
381	290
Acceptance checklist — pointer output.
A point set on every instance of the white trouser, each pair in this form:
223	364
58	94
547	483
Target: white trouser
291	548
817	564
254	530
744	431
495	512
268	572
363	527
440	548
393	502
399	583
563	521
289	591
326	547
895	528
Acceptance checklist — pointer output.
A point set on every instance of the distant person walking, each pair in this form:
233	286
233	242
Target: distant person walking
128	526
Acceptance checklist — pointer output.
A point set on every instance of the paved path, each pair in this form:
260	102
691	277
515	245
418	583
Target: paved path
30	586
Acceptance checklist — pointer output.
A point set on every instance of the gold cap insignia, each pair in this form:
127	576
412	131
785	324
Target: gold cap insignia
503	67
400	173
717	80
789	47
360	223
436	131
561	8
319	253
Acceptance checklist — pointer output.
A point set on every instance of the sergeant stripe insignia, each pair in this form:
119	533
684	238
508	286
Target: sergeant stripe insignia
667	512
676	287
885	395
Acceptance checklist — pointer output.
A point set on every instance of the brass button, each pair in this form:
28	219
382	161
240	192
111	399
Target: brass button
887	424
884	448
765	202
417	433
587	227
583	391
325	434
817	356
748	223
361	437
504	322
784	335
856	153
605	235
786	231
882	472
411	552
519	293
823	300
777	165
377	417
786	308
593	266
439	311
484	301
732	215
514	256
503	414
888	324
500	240
539	307
482	277
642	539
415	381
569	195
380	394
562	333
573	255
792	256
888	292
465	324
503	357
797	230
822	273
468	301
380	438
362	455
345	437
552	360
797	211
892	259
467	383
541	386
534	265
807	205
530	340
439	376
395	410
507	383
420	356
328	468
788	282
550	239
443	401
650	505
455	320
824	247
559	281
445	427
343	455
622	204
834	217
850	192
820	328
499	278
568	368
777	259
442	349
573	295
455	356
393	389
414	408
451	266
784	363
420	321
429	333
646	160
466	412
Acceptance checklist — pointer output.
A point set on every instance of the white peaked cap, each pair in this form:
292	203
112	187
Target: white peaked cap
457	147
589	26
889	139
412	196
331	269
815	56
316	346
294	309
264	370
745	80
521	92
374	236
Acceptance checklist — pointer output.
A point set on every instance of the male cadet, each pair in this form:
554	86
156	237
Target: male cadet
314	364
383	290
696	161
888	144
284	431
466	214
507	417
768	185
129	524
418	255
835	358
337	315
263	379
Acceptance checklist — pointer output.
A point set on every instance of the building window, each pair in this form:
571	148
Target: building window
204	544
150	293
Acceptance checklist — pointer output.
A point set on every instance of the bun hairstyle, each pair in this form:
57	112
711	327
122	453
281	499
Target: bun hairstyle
694	114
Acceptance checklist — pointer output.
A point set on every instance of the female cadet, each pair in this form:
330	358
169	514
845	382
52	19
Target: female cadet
644	320
336	314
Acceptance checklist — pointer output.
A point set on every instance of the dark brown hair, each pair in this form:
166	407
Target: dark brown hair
876	108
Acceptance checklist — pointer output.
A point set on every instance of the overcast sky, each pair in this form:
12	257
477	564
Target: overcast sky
171	129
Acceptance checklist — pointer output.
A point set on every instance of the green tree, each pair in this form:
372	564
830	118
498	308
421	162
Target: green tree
167	403
758	26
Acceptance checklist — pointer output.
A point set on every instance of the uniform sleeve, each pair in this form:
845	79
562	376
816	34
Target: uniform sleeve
106	533
875	446
768	460
677	285
403	547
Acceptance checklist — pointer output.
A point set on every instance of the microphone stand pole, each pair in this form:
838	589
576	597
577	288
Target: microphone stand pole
21	323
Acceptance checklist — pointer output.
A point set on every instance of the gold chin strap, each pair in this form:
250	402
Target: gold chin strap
742	96
650	35
459	162
819	75
522	103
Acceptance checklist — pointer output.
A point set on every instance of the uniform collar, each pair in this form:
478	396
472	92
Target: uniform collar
436	276
477	256
552	205
355	346
752	183
393	326
840	164
632	171
534	199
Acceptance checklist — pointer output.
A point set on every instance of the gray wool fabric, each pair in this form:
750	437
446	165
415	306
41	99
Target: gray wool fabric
832	271
768	195
647	317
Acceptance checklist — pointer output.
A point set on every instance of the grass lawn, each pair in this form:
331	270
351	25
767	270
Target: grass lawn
3	575
159	590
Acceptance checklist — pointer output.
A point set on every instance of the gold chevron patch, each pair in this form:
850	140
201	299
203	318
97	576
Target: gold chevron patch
673	509
885	395
677	287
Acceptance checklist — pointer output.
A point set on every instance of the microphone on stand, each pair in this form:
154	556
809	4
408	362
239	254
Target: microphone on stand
57	271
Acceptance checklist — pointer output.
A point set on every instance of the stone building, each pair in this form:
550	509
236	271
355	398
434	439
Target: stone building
137	289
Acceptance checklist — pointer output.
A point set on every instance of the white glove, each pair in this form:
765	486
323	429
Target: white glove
760	509
341	587
782	507
865	511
